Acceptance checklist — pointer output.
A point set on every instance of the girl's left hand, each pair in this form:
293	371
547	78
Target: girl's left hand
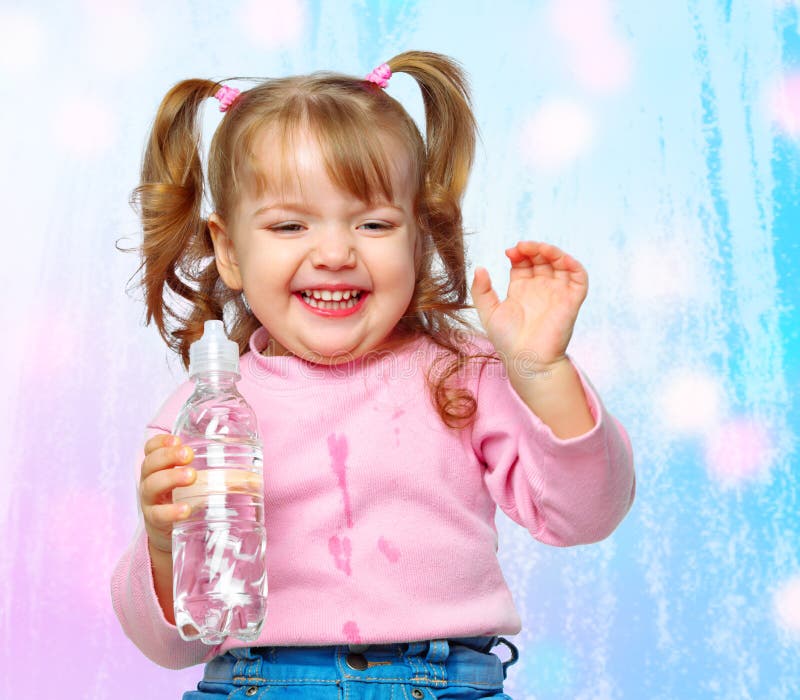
545	292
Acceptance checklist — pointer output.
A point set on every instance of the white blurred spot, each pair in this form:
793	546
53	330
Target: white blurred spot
580	21
119	35
689	401
605	66
600	59
783	103
83	126
22	41
739	451
663	271
273	24
786	605
557	133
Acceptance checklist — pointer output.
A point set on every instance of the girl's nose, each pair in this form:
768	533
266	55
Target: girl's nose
334	250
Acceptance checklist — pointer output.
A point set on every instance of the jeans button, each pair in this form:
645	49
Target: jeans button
252	690
358	662
417	694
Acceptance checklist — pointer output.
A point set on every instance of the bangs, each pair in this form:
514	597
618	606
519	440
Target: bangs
355	157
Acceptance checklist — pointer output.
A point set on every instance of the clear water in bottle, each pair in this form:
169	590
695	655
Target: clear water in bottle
219	572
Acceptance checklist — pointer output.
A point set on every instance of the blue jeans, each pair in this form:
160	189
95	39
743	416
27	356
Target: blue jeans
455	669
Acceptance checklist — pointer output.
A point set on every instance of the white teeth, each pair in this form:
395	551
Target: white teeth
317	304
328	295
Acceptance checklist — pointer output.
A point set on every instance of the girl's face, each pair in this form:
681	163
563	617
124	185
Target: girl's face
309	240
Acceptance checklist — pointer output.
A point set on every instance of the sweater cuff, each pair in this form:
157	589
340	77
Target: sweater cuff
142	571
141	616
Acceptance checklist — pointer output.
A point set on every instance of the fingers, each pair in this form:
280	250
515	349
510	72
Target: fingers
159	476
166	514
160	440
532	253
164	469
156	488
546	260
164	451
484	297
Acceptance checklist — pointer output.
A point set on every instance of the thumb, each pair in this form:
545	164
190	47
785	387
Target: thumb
484	297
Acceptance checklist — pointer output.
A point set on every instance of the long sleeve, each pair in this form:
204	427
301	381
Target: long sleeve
564	491
140	614
132	590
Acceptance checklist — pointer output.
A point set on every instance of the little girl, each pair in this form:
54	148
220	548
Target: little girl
391	428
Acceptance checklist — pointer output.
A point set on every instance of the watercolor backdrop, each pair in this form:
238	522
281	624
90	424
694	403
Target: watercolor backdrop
657	142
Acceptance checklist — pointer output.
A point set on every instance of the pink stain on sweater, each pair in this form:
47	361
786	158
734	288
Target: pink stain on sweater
337	448
391	552
340	551
351	632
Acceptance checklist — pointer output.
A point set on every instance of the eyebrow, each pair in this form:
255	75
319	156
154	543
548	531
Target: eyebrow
300	207
293	206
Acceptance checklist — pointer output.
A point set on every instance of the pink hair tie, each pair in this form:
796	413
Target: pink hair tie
226	95
380	76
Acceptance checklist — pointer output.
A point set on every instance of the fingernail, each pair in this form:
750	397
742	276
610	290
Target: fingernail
186	453
189	473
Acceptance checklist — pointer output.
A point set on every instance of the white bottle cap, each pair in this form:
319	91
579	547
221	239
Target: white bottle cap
213	352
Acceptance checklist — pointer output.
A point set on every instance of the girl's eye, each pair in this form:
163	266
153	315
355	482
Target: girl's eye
288	227
375	226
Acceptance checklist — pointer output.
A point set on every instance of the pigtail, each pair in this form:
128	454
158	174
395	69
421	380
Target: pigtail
449	151
180	281
449	123
441	296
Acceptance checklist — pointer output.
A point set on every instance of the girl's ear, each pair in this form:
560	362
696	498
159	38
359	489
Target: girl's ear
224	252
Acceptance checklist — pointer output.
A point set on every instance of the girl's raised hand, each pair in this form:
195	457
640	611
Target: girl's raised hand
162	453
545	292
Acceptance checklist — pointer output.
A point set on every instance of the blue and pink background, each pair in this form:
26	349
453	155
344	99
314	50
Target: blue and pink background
657	142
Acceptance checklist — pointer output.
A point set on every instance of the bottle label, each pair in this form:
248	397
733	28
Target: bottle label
218	482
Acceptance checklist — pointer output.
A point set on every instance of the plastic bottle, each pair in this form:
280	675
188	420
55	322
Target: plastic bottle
219	572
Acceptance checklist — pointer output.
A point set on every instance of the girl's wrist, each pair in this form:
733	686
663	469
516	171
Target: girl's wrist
161	571
158	556
527	365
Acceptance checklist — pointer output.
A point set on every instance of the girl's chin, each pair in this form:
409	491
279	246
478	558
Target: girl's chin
326	355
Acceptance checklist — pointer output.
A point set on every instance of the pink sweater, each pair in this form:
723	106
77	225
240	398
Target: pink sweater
380	520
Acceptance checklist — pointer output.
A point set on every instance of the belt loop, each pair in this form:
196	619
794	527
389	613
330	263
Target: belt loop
413	659
514	654
438	651
247	666
426	662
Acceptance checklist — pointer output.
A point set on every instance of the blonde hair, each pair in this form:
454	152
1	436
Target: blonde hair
182	287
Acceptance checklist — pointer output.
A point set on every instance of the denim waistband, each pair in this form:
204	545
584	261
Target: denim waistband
438	663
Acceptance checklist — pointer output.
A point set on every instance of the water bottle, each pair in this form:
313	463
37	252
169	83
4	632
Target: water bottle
219	573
